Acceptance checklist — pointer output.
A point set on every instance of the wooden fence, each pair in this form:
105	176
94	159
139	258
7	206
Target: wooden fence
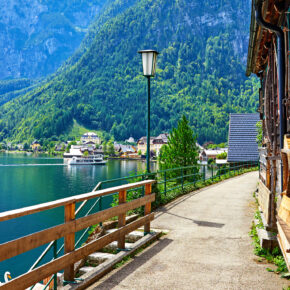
70	227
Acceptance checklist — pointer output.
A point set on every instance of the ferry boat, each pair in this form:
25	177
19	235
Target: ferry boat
90	160
76	156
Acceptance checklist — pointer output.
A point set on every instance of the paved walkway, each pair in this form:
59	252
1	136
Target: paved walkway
208	246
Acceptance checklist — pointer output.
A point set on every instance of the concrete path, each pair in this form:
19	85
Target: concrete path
208	246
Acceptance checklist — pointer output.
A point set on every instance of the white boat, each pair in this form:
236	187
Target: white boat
89	160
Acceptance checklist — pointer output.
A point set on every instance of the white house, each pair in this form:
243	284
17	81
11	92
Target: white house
90	137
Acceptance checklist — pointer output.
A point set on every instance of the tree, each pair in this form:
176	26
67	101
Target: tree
111	150
105	148
181	149
223	155
70	144
26	146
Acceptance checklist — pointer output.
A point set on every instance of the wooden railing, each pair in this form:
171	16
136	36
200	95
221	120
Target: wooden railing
70	227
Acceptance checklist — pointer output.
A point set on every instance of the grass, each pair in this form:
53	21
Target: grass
78	130
273	257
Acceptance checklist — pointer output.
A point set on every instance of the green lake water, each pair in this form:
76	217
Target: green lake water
29	180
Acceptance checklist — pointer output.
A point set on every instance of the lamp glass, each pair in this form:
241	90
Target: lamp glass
149	58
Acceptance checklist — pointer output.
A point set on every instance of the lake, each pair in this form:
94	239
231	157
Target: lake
29	180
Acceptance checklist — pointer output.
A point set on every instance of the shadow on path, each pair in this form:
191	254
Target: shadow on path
199	223
138	261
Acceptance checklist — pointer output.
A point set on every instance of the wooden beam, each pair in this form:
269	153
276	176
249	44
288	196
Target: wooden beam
24	244
54	266
147	208
7	215
98	217
278	157
29	242
122	218
69	241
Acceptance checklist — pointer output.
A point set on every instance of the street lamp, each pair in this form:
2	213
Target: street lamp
149	58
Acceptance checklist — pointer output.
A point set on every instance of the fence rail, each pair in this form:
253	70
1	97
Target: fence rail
70	227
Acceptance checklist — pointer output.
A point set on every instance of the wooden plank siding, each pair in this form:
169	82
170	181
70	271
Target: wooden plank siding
264	200
70	227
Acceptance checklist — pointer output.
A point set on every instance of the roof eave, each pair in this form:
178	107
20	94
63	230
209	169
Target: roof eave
254	27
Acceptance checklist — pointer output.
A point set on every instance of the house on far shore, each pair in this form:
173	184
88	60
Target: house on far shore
207	154
142	144
159	141
35	146
243	146
128	151
155	143
90	138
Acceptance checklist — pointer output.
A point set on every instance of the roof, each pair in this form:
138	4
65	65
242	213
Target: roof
90	134
143	140
127	148
215	151
242	138
163	137
259	37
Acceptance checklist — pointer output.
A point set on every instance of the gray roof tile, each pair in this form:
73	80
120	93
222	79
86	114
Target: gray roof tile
242	138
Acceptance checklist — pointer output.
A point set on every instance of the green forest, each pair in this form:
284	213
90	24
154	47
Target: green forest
199	74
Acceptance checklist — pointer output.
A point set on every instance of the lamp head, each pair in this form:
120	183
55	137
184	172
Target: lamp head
149	59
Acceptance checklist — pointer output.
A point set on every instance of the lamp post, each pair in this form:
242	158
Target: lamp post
149	58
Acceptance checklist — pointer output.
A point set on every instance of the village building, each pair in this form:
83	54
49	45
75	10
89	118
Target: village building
127	151
207	154
90	138
158	142
243	146
268	58
35	146
155	143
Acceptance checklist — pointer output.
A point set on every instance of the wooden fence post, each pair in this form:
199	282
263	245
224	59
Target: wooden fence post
147	209
122	218
69	241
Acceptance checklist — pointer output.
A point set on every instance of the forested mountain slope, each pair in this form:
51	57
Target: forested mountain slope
202	45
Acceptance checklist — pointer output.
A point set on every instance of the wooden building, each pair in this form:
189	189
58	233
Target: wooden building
268	58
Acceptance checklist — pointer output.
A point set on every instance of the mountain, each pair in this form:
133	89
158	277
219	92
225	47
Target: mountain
203	48
36	36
